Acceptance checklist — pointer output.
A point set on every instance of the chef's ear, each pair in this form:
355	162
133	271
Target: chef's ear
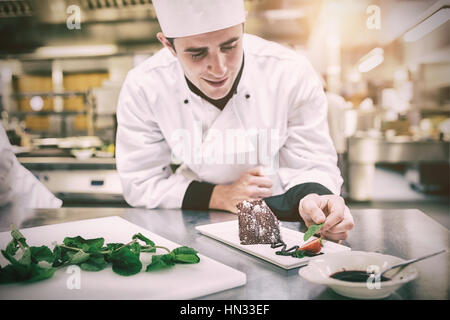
166	43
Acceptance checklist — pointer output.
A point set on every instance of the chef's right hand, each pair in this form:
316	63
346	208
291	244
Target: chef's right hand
251	185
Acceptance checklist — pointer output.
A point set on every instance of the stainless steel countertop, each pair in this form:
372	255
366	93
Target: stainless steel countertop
402	233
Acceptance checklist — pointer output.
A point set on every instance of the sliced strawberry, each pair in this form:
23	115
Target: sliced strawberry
313	246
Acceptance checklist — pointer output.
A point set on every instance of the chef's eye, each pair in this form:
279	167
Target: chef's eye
228	48
198	56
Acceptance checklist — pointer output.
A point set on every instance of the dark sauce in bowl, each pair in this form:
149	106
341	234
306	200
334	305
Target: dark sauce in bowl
356	276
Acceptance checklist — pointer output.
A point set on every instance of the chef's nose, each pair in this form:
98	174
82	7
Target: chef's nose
217	66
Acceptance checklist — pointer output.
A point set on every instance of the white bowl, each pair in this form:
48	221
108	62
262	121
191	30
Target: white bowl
319	271
82	154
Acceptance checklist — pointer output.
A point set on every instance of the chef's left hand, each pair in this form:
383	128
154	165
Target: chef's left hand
331	209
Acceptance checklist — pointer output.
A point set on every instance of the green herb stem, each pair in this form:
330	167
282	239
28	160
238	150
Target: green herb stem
150	248
67	247
125	245
160	247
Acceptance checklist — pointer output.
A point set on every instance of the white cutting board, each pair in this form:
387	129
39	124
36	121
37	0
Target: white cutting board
182	281
228	232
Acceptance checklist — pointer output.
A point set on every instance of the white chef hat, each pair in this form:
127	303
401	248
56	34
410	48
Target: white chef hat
182	18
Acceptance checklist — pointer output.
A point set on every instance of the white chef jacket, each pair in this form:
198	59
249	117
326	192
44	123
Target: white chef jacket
337	107
17	184
279	94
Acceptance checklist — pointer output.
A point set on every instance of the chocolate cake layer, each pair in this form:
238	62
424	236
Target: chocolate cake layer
257	223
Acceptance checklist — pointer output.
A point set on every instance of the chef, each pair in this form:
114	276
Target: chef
244	117
18	185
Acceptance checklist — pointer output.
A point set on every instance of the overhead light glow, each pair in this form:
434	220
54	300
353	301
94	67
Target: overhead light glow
425	27
371	60
36	103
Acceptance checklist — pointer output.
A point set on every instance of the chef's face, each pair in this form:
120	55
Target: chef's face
211	61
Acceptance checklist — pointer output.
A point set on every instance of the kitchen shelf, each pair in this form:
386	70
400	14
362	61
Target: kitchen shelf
65	94
87	97
46	113
51	94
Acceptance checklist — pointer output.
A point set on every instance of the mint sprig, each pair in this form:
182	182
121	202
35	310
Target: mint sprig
312	230
27	264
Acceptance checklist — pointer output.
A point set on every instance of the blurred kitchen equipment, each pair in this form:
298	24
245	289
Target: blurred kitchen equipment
364	152
75	179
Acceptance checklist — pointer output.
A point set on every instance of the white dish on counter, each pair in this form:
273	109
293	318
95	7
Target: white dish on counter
319	271
103	154
228	232
81	142
82	154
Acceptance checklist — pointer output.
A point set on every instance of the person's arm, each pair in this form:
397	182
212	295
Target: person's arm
198	196
251	185
308	162
143	155
19	185
286	206
308	154
312	203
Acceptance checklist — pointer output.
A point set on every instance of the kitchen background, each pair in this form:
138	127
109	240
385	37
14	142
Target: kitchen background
385	66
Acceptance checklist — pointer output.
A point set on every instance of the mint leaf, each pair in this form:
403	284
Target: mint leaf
78	257
135	248
12	247
87	245
312	230
13	273
187	258
38	273
184	250
160	262
113	246
125	262
96	262
42	253
25	260
17	272
26	257
11	259
18	236
185	255
141	237
60	255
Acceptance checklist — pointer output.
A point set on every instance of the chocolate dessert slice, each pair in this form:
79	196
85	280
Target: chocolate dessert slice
257	223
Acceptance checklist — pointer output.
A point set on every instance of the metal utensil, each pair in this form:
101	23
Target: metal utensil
408	262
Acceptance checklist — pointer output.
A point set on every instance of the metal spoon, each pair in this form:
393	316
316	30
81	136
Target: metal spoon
408	262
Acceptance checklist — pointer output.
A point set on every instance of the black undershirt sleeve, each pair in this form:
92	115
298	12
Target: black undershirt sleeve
197	196
285	206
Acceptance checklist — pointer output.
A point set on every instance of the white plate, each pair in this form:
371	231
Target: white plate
82	154
228	232
319	271
183	281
